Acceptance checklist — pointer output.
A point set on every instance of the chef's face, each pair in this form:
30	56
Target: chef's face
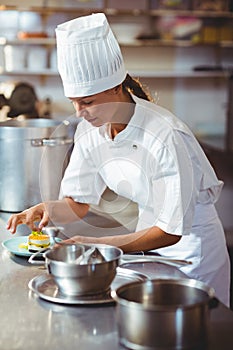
97	109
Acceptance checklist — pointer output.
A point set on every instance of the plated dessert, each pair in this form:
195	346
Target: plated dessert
38	241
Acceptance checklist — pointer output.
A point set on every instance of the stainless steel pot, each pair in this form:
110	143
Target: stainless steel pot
90	278
163	314
33	156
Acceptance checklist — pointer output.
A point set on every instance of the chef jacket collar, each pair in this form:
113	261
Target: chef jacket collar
105	130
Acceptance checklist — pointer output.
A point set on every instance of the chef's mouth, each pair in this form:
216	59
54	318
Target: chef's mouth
87	117
91	120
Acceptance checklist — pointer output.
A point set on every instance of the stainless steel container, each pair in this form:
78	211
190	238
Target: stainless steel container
33	156
164	314
88	279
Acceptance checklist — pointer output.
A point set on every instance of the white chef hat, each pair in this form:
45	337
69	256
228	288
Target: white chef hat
89	56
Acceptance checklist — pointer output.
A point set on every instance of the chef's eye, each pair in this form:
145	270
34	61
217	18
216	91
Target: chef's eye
87	103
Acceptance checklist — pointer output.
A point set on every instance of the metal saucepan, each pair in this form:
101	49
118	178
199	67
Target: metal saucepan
87	269
163	314
90	276
80	269
125	259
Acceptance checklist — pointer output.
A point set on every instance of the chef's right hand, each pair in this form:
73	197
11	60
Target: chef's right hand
29	217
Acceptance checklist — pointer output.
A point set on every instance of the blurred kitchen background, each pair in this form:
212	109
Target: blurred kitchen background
181	50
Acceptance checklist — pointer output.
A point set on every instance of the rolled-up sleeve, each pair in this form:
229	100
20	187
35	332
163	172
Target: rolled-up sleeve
81	180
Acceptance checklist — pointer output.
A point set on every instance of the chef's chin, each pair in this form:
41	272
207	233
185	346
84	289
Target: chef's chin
95	122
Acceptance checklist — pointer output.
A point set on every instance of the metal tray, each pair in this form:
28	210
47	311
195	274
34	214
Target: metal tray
45	288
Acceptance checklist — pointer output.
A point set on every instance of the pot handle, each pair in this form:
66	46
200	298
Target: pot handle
50	142
32	260
130	258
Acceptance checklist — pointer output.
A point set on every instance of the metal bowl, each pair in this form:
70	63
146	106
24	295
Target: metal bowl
74	279
164	314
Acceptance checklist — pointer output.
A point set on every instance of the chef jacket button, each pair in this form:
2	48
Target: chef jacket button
135	146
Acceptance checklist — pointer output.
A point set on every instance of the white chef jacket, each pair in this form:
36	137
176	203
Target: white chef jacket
157	163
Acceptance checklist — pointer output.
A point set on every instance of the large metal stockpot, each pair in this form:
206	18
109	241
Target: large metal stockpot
33	156
164	314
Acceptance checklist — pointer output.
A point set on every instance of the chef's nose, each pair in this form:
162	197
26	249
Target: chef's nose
79	108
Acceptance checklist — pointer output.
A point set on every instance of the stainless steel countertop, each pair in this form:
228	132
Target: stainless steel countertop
28	322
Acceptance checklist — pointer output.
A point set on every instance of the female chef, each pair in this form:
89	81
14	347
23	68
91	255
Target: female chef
141	152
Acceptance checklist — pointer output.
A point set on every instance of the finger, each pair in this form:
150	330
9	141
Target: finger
44	220
9	223
30	219
13	222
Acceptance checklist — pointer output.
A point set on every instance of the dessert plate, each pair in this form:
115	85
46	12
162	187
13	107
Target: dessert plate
45	288
15	245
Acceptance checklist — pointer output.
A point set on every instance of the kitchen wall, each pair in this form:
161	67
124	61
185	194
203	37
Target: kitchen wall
200	100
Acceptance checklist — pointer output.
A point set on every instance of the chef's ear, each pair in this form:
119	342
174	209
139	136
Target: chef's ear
115	90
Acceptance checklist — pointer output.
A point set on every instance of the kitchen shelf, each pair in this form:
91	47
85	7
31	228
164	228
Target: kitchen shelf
28	41
137	42
219	18
48	10
192	13
138	73
176	74
175	43
28	72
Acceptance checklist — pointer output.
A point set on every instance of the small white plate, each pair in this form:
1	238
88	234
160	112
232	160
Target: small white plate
13	245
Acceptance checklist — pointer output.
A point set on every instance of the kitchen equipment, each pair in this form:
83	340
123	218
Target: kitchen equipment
53	60
15	58
20	98
163	313
37	58
52	232
33	156
74	279
131	258
127	32
90	256
45	287
125	258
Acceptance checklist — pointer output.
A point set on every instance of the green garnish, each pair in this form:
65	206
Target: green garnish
37	233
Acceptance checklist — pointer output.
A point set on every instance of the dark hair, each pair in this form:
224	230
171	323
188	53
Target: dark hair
134	86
